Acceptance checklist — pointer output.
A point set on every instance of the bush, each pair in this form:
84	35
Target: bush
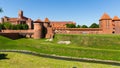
94	25
7	25
1	26
70	26
84	26
24	26
13	27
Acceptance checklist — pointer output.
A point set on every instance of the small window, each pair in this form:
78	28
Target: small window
113	32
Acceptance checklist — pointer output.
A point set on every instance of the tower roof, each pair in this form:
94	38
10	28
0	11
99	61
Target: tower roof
38	21
46	20
105	16
116	18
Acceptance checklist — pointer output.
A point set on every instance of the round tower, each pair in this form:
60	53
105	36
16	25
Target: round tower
38	29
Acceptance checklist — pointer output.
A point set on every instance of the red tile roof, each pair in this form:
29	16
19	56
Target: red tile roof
38	21
116	18
46	20
105	16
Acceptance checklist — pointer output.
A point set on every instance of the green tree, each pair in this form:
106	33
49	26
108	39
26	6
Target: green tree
1	26
7	25
1	10
78	26
19	26
70	26
13	27
94	25
24	26
84	26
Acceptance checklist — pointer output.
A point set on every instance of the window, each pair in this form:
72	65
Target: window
22	22
107	24
113	32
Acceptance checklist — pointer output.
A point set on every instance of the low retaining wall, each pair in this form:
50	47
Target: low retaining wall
11	35
109	62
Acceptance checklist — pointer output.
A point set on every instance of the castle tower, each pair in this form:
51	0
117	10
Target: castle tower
38	29
47	22
116	22
49	31
20	14
29	23
106	24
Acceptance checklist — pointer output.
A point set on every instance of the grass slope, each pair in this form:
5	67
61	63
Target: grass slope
17	60
106	47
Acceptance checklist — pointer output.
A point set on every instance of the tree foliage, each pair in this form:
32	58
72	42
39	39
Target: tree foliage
78	26
1	10
8	25
70	26
84	26
94	25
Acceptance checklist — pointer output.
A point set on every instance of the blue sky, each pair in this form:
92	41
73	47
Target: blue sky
79	11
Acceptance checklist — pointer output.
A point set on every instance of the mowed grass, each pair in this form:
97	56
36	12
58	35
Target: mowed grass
105	47
19	60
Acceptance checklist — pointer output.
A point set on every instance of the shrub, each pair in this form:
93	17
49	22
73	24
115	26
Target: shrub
7	25
70	25
94	25
24	26
84	26
1	26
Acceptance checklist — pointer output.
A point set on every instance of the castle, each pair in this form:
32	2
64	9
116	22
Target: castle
46	29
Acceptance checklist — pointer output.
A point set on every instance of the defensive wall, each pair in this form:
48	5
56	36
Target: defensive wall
78	31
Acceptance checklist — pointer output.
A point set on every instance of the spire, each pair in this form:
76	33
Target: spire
46	20
116	18
105	16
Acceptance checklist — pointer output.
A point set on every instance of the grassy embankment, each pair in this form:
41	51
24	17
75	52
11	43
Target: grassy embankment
105	47
17	60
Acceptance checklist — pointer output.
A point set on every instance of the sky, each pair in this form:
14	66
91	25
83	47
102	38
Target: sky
80	11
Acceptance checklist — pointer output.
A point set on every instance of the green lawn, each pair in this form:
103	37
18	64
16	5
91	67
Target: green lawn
18	60
105	47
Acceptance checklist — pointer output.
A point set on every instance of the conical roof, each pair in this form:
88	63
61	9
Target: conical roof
105	16
38	21
46	20
116	18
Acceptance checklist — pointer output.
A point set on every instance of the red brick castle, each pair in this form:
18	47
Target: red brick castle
46	29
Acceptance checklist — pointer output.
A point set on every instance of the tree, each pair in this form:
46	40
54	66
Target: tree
13	27
1	26
84	26
19	26
1	10
24	26
7	25
78	26
70	26
94	25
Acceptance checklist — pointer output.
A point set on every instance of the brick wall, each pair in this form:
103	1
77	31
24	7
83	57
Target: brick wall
78	31
11	35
